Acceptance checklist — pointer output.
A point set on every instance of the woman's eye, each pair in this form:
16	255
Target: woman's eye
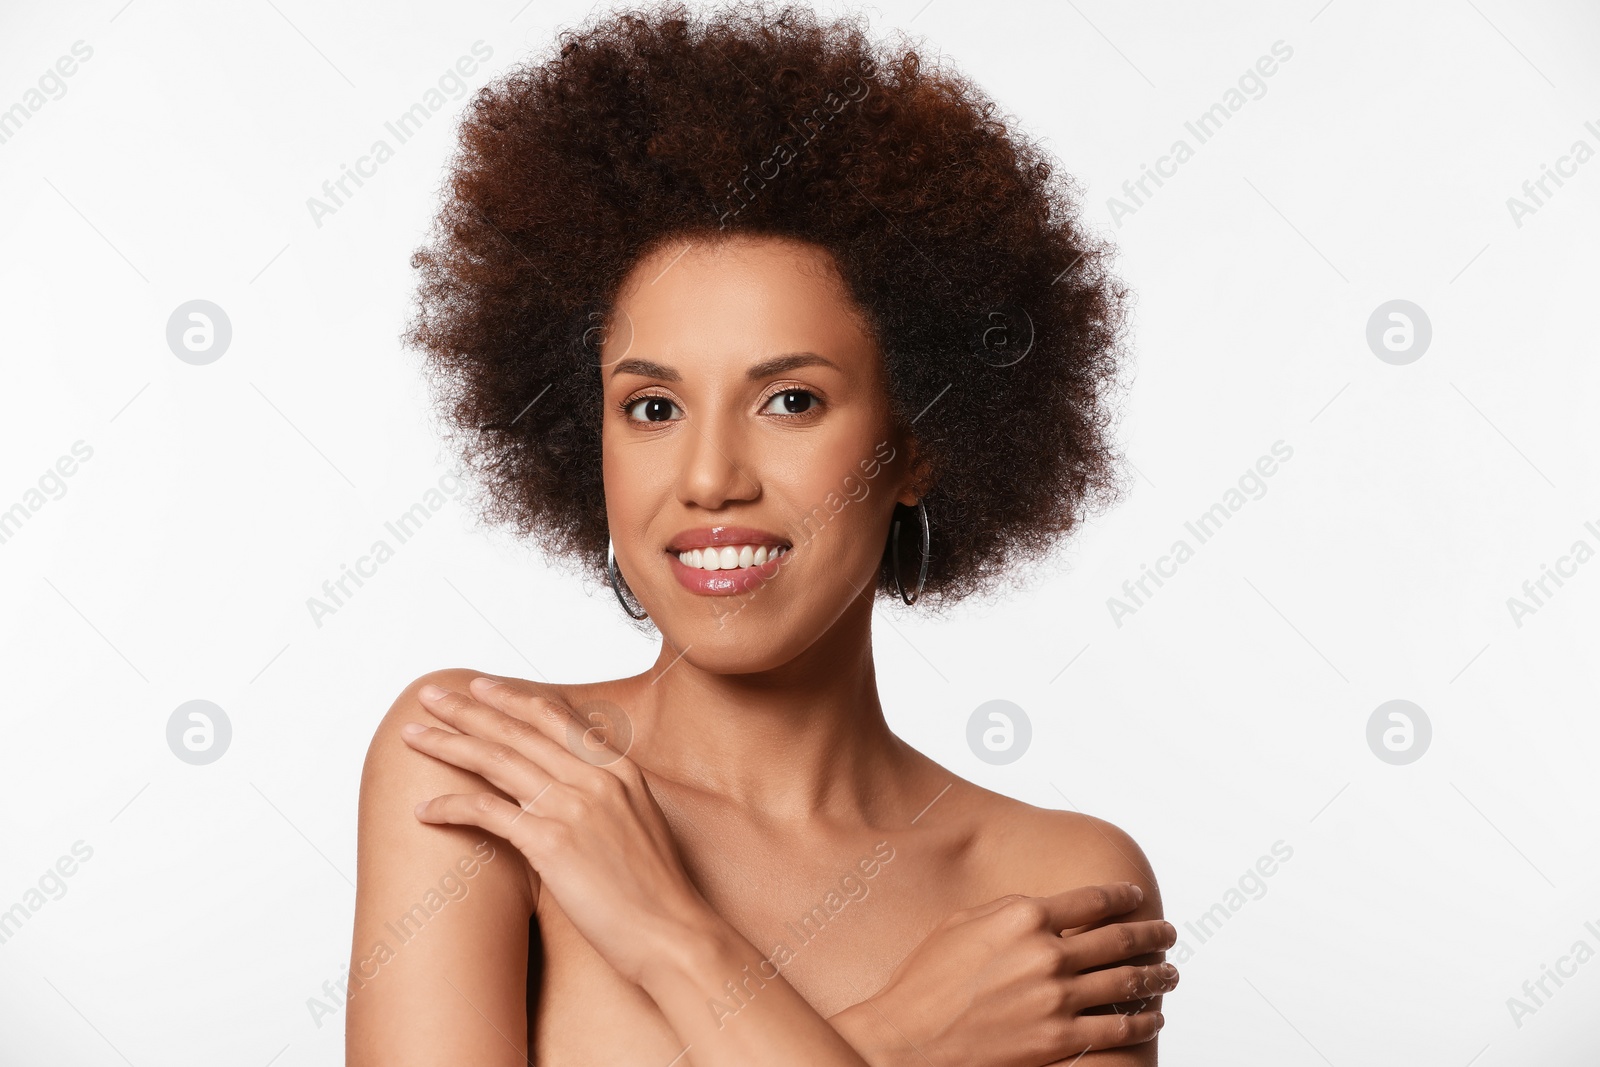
653	409
791	402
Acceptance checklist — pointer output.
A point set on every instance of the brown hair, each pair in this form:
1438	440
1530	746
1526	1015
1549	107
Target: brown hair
997	316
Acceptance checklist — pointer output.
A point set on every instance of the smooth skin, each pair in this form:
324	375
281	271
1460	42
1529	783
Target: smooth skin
759	775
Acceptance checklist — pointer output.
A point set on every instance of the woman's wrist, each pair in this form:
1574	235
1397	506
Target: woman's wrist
703	953
700	949
721	996
871	1034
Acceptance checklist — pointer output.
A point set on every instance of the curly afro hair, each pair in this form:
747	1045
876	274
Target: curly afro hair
996	313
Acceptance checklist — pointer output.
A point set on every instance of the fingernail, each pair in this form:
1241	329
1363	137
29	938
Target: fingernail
418	809
1161	1020
487	683
1138	894
1167	970
430	692
412	728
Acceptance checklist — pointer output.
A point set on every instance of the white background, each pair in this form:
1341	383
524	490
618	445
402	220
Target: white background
1227	714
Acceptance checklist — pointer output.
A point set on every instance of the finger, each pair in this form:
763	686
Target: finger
1091	903
1122	985
1118	943
1090	1032
550	716
490	723
486	811
592	742
495	762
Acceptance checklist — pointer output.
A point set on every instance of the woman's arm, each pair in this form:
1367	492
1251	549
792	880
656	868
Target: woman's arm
439	958
773	1024
604	852
1074	845
1001	985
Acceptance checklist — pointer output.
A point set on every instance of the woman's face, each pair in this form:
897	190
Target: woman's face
750	468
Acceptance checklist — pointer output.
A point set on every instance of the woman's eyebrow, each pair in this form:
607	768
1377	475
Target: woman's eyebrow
767	368
790	361
646	369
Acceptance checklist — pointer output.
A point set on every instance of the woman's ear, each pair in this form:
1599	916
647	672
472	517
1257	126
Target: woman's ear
918	476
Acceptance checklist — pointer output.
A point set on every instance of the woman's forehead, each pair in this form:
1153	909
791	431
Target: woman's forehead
735	301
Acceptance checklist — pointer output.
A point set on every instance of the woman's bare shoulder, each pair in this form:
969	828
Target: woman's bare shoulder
1039	851
395	776
389	752
390	761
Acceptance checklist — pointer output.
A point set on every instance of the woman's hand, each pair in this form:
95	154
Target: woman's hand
603	848
999	984
593	832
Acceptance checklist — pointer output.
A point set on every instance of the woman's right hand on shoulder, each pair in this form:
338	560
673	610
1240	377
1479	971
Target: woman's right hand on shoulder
1001	985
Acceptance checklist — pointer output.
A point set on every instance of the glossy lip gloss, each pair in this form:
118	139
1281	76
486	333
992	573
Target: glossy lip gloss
734	580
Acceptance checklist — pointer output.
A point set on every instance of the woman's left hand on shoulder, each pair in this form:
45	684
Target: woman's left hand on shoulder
581	813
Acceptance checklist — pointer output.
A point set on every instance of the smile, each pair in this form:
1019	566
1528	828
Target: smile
725	560
730	557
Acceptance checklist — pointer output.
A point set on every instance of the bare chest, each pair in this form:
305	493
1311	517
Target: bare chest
834	917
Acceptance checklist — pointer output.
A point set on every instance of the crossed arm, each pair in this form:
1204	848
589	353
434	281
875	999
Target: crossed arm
447	990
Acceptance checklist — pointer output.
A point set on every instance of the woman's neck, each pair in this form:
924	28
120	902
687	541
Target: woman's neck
802	740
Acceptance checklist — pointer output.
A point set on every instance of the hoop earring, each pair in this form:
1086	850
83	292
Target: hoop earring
894	555
617	583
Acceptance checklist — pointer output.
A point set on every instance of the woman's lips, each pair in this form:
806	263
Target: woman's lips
729	582
725	560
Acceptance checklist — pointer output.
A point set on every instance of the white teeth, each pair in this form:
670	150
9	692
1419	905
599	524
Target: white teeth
730	557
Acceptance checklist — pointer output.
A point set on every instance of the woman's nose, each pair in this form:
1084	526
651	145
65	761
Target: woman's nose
715	469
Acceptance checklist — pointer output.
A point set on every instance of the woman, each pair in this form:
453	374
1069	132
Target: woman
755	320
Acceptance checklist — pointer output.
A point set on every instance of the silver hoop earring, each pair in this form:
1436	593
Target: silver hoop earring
616	584
894	555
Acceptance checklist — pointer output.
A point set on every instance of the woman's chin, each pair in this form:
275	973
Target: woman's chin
730	641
